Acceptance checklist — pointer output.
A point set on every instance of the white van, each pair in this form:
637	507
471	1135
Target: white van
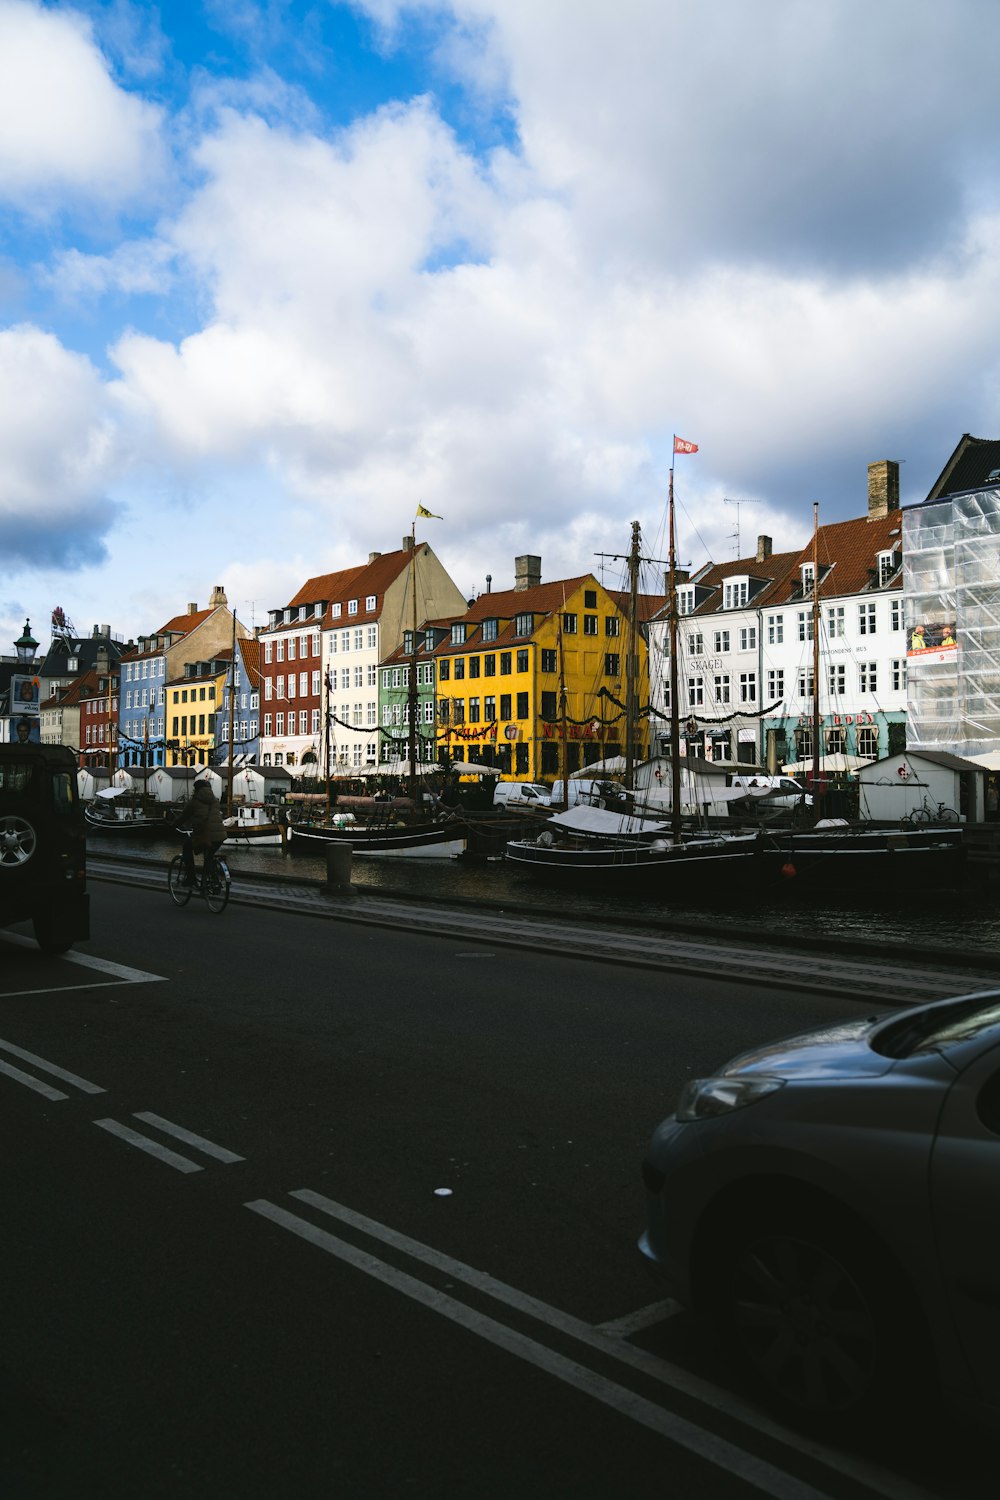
521	794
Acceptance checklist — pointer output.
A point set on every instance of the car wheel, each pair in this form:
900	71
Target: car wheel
814	1316
18	841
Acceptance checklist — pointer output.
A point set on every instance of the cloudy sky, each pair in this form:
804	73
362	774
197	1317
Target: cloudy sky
273	271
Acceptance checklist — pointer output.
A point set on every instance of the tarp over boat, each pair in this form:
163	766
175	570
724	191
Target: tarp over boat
599	820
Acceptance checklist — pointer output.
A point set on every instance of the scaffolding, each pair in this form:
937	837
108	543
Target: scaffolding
951	587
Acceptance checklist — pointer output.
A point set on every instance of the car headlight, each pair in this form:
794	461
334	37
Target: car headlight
704	1098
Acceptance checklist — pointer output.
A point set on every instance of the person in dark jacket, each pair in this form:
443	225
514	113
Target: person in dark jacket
203	815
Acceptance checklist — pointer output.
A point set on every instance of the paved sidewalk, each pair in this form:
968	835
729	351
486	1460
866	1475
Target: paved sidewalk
871	980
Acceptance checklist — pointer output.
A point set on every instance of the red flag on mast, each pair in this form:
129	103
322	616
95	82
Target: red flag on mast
681	445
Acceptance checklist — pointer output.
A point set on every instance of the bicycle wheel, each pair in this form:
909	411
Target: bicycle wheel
946	815
217	884
180	893
920	815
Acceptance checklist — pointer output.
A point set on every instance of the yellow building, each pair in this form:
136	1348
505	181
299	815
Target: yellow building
192	702
501	677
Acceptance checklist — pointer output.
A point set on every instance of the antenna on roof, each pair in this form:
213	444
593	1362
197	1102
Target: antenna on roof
736	533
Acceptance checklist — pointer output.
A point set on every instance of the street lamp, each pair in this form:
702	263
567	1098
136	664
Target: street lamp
26	647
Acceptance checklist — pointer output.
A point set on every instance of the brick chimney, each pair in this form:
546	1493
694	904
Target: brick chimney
764	548
218	597
527	572
883	488
192	608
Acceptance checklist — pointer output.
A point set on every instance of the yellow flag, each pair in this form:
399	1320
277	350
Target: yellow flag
428	514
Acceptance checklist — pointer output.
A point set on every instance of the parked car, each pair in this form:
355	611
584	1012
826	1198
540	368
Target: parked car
780	791
521	794
829	1205
42	845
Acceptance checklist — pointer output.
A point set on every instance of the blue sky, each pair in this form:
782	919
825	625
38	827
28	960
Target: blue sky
270	273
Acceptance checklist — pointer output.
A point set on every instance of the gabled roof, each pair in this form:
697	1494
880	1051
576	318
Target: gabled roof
250	654
362	582
68	697
324	586
184	624
968	467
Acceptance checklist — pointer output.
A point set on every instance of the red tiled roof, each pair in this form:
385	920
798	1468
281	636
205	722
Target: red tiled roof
184	624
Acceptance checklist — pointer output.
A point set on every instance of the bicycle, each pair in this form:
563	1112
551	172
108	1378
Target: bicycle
928	813
214	884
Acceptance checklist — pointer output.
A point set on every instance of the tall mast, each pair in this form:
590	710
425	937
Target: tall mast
675	720
412	695
326	738
631	657
815	618
111	753
232	724
563	743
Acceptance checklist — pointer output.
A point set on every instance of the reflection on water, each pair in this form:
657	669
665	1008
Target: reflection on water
948	919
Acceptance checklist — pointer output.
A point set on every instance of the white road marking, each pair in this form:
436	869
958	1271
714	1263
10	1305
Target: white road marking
661	1370
133	1138
31	1083
643	1317
39	1062
121	972
706	1445
198	1141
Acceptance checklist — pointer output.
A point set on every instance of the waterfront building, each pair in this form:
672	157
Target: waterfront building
70	655
529	673
325	704
60	712
159	658
191	702
99	719
394	694
240	706
745	642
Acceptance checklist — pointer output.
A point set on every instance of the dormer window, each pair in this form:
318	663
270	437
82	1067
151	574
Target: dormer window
458	634
685	601
408	642
352	606
734	594
524	624
490	630
886	567
370	602
335	610
73	664
808	578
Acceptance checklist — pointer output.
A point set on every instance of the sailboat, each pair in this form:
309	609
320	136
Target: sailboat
591	844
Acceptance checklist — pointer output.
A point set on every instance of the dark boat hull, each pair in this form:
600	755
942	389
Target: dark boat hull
438	840
872	856
721	862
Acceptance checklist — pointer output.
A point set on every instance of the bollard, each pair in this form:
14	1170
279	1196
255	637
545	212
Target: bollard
338	869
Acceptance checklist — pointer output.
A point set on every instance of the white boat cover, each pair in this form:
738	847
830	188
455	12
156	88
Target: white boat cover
584	819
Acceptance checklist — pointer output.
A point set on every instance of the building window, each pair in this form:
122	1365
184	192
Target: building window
775	685
489	709
807	578
896	614
336	610
806	683
550	707
474	662
866	619
899	674
352	606
886	567
522	705
524	624
459	668
696	643
612	664
722	687
489	630
836	742
279	650
748	687
735	594
775	630
569	624
612	625
868	742
550	661
370	601
748	638
474	711
685	601
279	723
505	706
696	692
291	648
444	670
590	598
268	721
868	677
805	624
522	661
835	621
838	679
721	641
590	624
489	666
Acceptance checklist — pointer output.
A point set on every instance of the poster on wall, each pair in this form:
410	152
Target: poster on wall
932	641
23	730
24	695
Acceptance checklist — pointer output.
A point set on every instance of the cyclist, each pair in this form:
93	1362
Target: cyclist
202	814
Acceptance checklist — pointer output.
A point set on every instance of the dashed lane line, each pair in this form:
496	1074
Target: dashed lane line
152	1148
163	1153
83	1084
29	1082
220	1153
698	1440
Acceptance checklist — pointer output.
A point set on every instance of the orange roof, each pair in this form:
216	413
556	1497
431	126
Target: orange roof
184	624
324	586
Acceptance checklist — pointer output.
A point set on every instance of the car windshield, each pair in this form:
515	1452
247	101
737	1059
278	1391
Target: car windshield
938	1028
16	776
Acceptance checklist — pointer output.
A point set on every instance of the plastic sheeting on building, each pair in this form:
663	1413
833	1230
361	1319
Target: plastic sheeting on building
951	584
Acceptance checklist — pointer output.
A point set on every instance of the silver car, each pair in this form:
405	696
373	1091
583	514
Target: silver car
831	1204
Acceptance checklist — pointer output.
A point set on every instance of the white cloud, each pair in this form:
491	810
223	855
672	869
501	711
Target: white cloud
66	129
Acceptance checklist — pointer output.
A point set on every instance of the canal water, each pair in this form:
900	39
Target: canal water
954	920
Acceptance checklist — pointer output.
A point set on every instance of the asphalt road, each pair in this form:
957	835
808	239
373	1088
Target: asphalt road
304	1208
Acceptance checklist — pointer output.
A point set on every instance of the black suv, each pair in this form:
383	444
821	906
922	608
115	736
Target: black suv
43	871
